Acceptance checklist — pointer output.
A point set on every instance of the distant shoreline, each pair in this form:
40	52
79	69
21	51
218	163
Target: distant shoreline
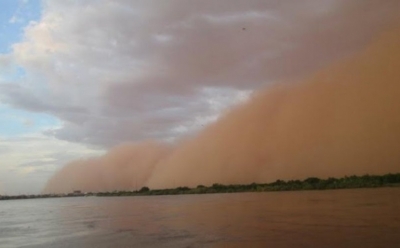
312	183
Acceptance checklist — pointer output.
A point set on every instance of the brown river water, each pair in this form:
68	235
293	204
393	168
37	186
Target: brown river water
332	218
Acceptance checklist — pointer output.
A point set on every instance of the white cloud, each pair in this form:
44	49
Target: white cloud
5	63
112	70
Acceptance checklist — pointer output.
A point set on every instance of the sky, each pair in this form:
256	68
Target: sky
80	77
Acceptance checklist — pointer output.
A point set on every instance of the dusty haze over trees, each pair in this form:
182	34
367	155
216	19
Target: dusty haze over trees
343	120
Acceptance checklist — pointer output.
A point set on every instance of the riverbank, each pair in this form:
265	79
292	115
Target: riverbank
312	183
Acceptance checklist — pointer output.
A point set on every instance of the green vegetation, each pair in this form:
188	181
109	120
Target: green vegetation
312	183
18	197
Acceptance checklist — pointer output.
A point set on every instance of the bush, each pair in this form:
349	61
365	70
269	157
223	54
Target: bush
144	189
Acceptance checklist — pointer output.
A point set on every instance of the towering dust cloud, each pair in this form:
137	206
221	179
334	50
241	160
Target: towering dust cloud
344	120
124	167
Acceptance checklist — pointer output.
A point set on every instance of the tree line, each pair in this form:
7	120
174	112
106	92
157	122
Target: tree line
311	183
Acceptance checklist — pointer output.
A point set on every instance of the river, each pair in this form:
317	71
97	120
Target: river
331	218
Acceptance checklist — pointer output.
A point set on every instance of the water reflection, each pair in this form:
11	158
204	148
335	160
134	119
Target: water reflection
342	218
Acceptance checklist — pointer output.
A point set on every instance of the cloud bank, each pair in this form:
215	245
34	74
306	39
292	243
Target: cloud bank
123	71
